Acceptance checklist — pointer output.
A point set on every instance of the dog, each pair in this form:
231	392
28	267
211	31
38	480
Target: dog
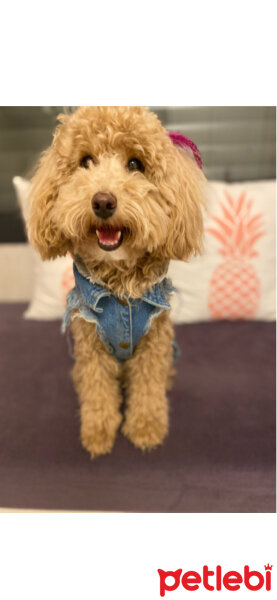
123	197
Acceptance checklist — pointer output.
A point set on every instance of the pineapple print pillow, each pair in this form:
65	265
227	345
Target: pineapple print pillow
235	277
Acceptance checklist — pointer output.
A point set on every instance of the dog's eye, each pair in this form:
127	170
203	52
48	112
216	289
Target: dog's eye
135	164
85	161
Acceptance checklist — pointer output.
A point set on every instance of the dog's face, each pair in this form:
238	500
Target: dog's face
113	187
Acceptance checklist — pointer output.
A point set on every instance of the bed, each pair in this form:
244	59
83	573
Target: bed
218	457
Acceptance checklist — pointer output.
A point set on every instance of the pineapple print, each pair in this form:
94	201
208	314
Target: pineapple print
234	287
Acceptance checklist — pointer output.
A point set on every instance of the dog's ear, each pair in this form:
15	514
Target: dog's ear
43	233
186	182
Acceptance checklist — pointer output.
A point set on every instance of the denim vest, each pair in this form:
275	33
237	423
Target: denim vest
120	323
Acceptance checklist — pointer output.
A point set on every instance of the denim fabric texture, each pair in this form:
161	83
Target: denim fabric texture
120	322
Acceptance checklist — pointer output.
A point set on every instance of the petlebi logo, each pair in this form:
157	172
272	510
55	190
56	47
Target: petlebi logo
215	580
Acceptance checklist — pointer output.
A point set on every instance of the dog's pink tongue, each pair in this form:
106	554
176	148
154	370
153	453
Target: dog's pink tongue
108	236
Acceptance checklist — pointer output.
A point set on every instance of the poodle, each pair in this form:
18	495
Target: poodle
123	197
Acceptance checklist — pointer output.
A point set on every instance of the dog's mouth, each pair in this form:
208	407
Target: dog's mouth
109	238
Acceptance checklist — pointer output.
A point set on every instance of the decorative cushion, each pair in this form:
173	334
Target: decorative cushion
52	279
235	277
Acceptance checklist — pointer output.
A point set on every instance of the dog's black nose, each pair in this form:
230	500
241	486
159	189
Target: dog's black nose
104	204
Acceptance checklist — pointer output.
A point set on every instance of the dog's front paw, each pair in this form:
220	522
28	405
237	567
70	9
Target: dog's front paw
98	431
144	429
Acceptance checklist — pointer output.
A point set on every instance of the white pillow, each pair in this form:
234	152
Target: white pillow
235	276
52	279
208	287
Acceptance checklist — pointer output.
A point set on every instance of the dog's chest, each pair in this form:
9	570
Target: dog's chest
123	323
119	323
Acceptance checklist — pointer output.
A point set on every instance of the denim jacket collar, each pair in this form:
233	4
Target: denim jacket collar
92	292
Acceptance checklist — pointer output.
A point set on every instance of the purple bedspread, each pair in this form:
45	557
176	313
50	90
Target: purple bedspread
219	456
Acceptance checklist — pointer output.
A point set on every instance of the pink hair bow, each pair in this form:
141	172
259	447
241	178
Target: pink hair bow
181	140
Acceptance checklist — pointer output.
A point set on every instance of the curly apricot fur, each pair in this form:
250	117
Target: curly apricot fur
160	212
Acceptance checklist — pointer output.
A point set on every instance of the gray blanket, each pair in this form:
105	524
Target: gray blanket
218	457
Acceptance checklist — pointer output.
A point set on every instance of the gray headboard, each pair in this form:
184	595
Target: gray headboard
236	142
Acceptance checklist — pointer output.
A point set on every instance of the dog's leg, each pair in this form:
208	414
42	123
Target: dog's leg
96	379
146	377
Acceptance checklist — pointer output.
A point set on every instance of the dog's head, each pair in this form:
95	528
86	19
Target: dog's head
114	186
